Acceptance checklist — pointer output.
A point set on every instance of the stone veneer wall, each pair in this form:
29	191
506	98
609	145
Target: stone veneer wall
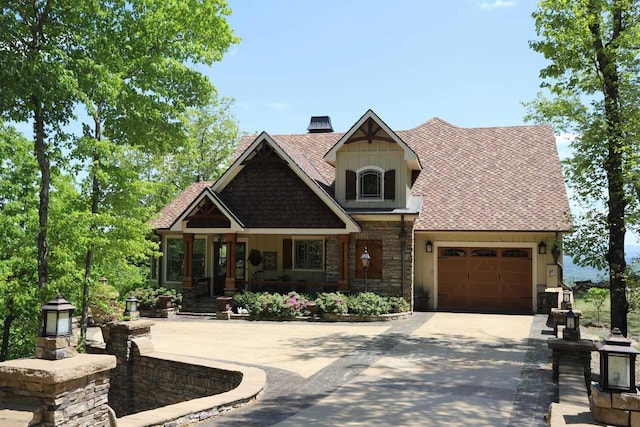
332	258
188	298
160	382
619	409
391	282
61	393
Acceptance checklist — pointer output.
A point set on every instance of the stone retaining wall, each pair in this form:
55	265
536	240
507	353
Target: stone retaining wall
160	381
618	409
65	393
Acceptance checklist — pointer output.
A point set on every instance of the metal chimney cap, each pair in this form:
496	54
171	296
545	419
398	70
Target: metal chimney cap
320	124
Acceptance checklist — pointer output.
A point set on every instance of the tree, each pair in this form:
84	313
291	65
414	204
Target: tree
597	297
593	89
38	40
18	229
137	86
212	136
125	61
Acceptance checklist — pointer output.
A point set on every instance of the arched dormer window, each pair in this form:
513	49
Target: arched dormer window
370	183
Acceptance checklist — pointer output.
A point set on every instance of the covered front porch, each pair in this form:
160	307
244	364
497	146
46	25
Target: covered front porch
208	265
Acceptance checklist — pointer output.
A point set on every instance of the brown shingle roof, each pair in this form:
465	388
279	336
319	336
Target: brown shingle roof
473	179
170	213
488	179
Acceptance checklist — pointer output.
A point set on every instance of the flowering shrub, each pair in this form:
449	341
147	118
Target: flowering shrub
368	304
332	303
272	305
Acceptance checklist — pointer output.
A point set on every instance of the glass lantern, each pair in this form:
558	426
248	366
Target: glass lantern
617	363
131	304
57	315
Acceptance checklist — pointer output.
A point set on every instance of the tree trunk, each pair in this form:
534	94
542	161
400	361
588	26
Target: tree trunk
6	330
95	200
613	166
45	182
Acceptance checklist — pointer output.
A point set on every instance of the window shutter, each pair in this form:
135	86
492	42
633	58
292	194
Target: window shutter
375	265
390	184
350	185
287	258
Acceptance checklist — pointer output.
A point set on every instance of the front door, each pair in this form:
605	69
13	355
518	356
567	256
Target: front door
241	264
219	267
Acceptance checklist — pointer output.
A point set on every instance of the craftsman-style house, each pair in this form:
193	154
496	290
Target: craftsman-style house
472	217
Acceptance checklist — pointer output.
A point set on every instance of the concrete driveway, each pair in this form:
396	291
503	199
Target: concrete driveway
432	369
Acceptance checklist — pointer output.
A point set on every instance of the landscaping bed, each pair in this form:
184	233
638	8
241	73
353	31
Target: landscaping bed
328	306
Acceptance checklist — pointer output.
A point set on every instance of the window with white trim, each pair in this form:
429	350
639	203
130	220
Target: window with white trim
370	183
308	254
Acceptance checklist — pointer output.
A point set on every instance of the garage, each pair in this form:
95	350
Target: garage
488	278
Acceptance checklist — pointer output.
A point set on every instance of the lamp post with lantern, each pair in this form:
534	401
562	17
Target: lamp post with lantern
617	363
56	340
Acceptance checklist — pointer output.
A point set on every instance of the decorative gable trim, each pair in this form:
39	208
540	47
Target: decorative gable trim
409	155
180	224
268	150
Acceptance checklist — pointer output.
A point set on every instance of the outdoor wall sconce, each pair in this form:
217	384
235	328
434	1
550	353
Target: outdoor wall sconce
572	327
617	363
429	247
542	248
365	258
57	315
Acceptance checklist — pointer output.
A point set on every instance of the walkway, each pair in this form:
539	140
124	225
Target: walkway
430	369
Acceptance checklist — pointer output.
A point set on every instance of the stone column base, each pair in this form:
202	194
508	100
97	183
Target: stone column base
56	348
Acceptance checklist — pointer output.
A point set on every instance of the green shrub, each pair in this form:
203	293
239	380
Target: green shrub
332	303
104	304
148	297
368	304
398	305
248	300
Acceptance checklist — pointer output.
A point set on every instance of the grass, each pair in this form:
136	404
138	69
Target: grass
589	322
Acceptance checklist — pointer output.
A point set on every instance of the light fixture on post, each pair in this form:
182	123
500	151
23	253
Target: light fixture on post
571	329
57	340
57	315
102	280
566	300
365	258
429	247
131	308
617	363
542	248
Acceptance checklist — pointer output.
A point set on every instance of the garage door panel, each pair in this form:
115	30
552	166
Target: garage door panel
485	278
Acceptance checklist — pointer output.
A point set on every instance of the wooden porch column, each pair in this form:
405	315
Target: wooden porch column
343	262
187	257
230	280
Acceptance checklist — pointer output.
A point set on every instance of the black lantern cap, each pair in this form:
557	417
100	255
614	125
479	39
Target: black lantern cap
616	338
58	304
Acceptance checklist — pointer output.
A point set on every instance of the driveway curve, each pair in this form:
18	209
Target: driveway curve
431	369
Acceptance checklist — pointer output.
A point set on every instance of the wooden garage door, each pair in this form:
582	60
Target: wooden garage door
485	279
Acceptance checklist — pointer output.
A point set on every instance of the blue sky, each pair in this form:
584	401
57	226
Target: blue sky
465	61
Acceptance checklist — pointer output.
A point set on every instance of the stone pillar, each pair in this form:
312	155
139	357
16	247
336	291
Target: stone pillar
68	392
56	348
343	261
187	279
230	281
121	336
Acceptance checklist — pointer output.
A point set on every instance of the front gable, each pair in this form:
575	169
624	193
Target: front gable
207	213
375	168
268	190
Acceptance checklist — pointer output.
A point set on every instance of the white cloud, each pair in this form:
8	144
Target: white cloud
497	4
277	105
